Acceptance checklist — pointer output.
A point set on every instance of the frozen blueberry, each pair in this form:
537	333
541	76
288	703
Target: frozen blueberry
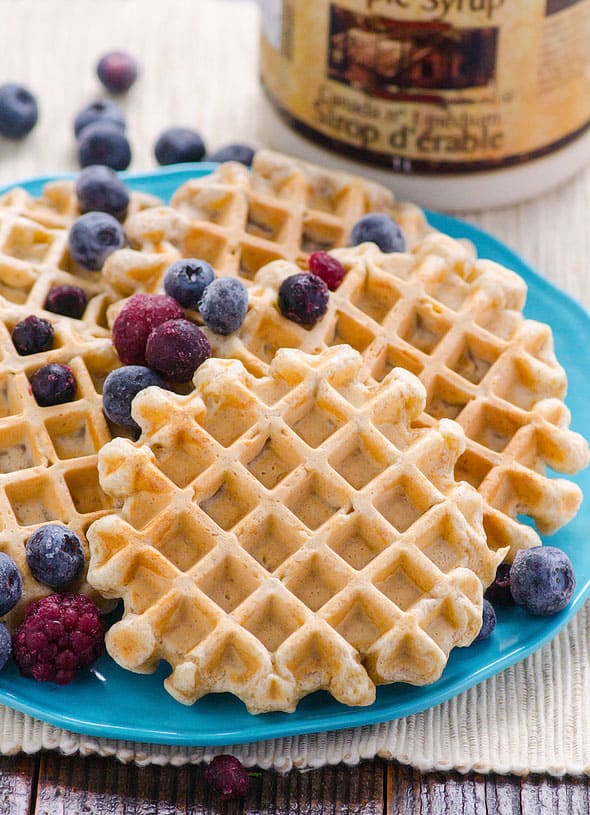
5	645
117	71
102	111
55	555
328	268
104	143
69	301
381	229
488	622
542	580
18	111
187	279
132	327
303	298
93	237
178	145
53	384
99	189
234	152
120	388
11	584
224	305
32	335
176	348
498	592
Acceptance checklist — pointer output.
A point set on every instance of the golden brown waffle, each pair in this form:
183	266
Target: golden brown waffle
457	324
239	220
290	533
48	455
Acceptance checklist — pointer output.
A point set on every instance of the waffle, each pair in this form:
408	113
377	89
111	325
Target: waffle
239	220
290	533
457	324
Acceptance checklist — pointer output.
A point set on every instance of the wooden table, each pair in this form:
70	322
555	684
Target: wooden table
54	785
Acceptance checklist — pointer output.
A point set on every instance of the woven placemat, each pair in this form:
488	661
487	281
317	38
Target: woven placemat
533	717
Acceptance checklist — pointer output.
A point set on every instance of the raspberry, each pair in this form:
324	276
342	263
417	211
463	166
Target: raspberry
303	298
60	635
134	323
176	348
498	592
323	265
227	775
70	301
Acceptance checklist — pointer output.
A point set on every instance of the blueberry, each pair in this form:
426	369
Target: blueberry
224	305
104	143
99	189
380	229
178	145
53	385
5	645
102	111
70	301
303	298
488	622
55	555
234	152
120	388
18	111
93	237
187	279
498	592
176	348
542	580
32	335
11	584
117	71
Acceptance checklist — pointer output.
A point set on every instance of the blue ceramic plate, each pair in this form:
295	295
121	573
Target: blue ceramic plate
114	703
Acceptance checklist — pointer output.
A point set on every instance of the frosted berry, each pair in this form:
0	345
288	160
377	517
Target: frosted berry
224	305
32	335
55	555
93	237
303	298
99	189
102	111
53	384
234	152
11	584
328	268
542	580
60	635
18	111
381	229
69	301
178	145
187	279
117	71
227	775
176	348
488	622
104	143
119	390
136	320
498	592
5	645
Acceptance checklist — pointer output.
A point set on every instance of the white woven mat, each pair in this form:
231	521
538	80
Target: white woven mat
199	69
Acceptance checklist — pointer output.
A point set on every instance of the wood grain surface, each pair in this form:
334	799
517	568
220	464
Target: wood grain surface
51	784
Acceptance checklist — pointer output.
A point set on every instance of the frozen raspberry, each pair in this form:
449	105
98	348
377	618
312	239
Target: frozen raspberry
542	580
328	268
70	301
60	635
303	298
488	622
381	229
55	555
498	593
32	335
117	71
227	775
5	645
176	348
136	320
53	384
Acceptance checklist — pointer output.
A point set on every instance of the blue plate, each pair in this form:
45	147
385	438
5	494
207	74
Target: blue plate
113	703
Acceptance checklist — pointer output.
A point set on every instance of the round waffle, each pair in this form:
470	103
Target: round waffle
283	534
